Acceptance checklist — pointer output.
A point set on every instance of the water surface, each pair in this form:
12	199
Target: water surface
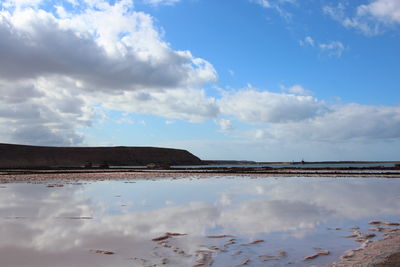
303	166
74	225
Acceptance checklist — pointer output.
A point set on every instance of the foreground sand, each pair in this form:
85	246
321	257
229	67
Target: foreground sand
384	252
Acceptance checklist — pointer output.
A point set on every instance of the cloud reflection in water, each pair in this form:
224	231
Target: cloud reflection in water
43	234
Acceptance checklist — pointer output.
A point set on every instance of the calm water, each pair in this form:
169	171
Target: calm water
327	165
64	226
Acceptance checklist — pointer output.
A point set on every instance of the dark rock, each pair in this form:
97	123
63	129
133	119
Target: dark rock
322	252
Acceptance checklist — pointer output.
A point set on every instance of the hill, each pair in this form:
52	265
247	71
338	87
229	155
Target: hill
23	156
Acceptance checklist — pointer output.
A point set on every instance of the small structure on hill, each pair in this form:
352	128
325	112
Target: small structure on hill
158	166
104	165
88	165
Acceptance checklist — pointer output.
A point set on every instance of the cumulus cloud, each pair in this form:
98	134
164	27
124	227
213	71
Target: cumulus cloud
21	3
188	104
42	112
60	70
384	10
257	107
297	115
341	122
57	67
370	19
82	47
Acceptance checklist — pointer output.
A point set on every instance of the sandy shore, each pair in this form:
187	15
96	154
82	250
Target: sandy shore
384	252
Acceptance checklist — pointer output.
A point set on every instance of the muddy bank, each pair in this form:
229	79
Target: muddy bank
384	252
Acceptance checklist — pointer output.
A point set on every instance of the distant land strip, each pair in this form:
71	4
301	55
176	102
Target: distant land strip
24	156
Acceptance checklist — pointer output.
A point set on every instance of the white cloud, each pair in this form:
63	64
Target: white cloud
188	104
169	122
370	19
341	122
296	89
58	73
334	48
300	116
387	11
256	107
161	2
225	124
21	3
55	69
88	49
273	3
308	40
277	5
42	112
335	12
263	3
125	118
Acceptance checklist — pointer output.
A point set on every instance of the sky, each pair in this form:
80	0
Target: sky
264	80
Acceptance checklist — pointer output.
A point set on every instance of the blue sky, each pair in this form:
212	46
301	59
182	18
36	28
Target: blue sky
276	80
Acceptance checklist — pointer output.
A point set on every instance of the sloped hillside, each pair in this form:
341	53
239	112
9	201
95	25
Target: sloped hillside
22	156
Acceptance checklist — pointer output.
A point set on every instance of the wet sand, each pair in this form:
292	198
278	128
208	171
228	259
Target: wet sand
31	175
384	252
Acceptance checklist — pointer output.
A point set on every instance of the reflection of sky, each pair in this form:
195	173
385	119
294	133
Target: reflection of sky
304	166
289	213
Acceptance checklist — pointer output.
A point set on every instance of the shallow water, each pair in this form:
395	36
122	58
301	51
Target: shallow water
302	166
64	226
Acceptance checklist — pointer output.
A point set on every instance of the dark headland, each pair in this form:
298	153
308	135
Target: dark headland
23	156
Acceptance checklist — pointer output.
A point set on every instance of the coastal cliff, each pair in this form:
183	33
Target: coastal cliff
23	156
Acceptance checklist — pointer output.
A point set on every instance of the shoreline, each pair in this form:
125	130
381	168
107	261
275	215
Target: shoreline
9	176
